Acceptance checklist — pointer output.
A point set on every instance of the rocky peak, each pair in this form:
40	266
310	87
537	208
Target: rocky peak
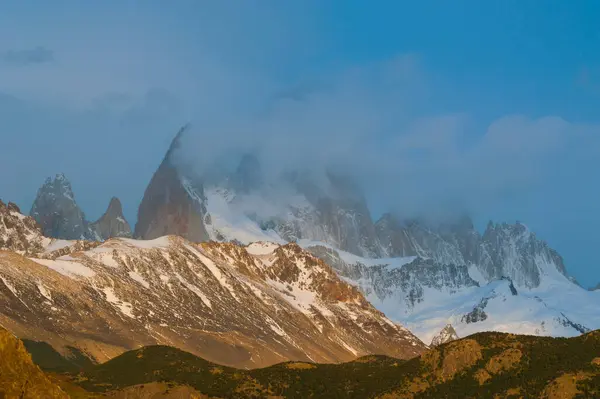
596	288
417	237
173	203
57	212
512	250
447	334
112	223
19	233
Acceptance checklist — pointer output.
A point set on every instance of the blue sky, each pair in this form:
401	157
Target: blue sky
487	106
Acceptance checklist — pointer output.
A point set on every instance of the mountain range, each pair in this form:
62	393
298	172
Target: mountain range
248	270
244	306
424	275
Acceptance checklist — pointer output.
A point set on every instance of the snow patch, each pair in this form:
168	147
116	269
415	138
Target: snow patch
45	293
161	242
10	287
124	307
262	248
138	277
195	290
66	267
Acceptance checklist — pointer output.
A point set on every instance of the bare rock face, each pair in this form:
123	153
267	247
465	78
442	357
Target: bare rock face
57	212
19	233
504	250
173	203
447	334
112	223
515	252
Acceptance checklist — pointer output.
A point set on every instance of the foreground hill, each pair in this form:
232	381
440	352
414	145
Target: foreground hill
19	377
485	365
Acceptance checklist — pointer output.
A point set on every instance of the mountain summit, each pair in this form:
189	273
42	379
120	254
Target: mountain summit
59	216
173	203
112	223
57	212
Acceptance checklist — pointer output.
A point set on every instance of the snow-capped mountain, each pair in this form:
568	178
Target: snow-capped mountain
423	274
245	306
59	216
447	334
425	296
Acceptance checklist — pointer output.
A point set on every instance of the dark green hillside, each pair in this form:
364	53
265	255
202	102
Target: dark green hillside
48	359
485	365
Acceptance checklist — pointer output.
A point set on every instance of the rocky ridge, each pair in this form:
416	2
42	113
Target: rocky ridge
20	233
246	306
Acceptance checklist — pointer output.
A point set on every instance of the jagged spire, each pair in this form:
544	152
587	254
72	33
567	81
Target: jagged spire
112	223
176	142
57	212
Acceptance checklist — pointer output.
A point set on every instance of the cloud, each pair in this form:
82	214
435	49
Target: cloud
25	57
373	122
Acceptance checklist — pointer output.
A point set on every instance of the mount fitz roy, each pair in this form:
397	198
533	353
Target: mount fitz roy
421	274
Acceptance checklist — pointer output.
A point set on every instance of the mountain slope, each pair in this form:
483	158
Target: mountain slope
20	233
245	306
19	377
425	296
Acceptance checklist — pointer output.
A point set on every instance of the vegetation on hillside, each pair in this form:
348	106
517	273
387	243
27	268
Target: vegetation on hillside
484	365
